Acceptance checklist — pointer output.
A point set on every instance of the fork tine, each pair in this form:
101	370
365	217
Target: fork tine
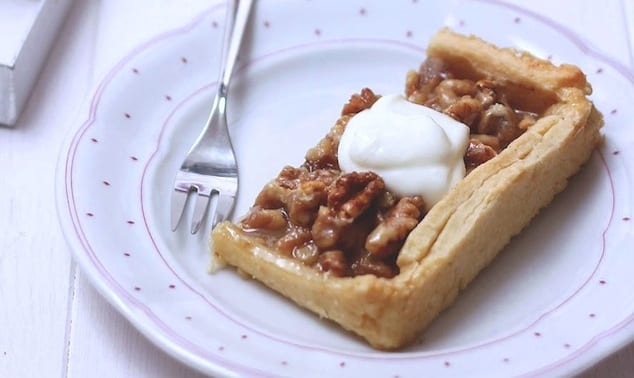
179	200
200	208
223	208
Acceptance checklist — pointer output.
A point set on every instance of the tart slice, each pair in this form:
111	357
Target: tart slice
383	257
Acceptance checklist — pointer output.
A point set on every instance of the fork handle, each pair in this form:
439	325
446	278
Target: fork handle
238	16
215	135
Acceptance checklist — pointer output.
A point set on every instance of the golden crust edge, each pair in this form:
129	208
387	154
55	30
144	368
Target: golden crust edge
435	264
511	64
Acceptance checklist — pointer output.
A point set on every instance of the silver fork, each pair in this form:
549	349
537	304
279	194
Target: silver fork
210	168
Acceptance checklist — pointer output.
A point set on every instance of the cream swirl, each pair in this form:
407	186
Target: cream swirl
415	149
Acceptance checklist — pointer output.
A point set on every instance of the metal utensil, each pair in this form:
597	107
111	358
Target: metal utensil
210	168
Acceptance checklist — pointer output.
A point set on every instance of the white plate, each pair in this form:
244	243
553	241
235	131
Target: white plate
557	299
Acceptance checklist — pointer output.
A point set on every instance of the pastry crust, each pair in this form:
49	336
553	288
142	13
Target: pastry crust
453	242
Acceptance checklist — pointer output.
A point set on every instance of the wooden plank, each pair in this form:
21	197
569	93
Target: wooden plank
103	341
35	263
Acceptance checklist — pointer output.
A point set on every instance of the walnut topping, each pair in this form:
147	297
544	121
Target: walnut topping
349	224
324	155
304	201
359	102
354	192
479	104
294	238
325	221
387	238
371	264
349	197
419	85
334	262
271	220
328	228
478	153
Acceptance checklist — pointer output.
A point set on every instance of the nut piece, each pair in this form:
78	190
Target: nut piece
334	262
354	192
328	228
359	102
370	264
324	155
295	238
477	153
303	202
348	198
386	239
265	219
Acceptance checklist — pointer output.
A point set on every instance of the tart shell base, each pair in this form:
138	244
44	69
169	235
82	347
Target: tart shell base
464	231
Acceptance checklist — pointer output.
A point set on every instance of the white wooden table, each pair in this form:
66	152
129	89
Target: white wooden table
52	322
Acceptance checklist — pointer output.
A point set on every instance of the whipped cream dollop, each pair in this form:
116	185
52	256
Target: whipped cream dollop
415	149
